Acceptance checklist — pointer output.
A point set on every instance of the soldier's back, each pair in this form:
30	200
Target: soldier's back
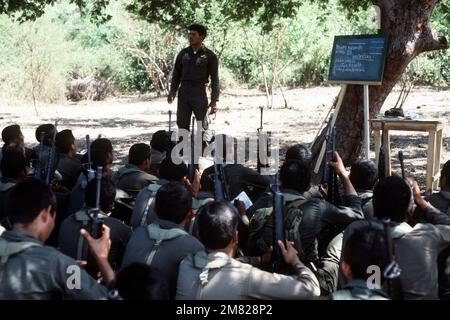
41	272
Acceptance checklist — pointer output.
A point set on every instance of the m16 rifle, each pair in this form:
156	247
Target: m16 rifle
38	169
402	165
381	156
329	177
262	137
90	171
52	158
278	221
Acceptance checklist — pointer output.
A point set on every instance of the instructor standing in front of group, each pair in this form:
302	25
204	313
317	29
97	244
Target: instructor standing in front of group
194	66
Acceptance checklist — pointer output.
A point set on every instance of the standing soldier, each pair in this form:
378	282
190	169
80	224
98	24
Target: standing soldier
193	67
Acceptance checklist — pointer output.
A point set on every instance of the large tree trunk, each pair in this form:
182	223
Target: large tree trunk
407	23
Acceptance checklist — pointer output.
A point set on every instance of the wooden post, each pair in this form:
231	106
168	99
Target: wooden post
430	162
437	160
366	123
387	151
377	138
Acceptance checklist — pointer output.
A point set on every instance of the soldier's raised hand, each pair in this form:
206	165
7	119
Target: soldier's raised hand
338	165
99	247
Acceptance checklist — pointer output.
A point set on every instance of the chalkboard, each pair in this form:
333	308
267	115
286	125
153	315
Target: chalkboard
358	59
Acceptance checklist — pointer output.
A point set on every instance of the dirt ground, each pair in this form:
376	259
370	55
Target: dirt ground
130	119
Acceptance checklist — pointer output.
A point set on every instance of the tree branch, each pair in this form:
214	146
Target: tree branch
430	40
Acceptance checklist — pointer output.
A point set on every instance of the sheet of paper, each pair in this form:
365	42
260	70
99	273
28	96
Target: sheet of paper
245	199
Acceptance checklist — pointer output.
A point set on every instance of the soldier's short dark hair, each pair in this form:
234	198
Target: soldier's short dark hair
363	174
173	202
199	28
365	247
138	153
160	140
27	199
64	141
107	193
100	149
217	222
299	152
295	174
445	173
139	281
13	163
103	145
171	171
48	130
392	198
11	133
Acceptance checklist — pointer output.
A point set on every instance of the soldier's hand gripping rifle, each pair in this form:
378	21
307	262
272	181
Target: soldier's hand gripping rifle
381	156
392	272
38	170
329	177
52	158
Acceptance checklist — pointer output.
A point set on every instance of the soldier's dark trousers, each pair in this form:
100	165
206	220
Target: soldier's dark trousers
191	99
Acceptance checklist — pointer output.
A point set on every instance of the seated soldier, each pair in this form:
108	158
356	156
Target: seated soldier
143	211
134	176
416	248
160	144
238	177
31	270
310	223
366	247
214	274
12	137
13	169
69	166
139	281
69	239
441	199
364	175
101	157
303	153
295	152
42	155
164	243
